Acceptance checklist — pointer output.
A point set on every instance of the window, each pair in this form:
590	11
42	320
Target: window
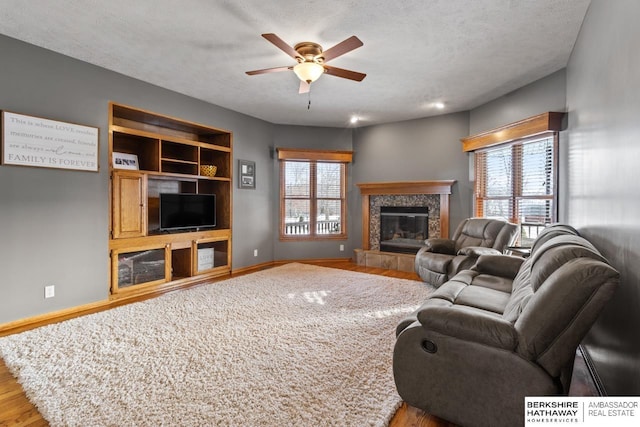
516	182
312	194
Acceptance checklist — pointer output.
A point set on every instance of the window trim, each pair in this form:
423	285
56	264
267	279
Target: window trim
318	155
314	157
527	128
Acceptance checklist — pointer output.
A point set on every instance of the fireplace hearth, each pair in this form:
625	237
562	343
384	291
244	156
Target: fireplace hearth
403	229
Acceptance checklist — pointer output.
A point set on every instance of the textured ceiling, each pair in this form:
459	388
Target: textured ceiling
416	52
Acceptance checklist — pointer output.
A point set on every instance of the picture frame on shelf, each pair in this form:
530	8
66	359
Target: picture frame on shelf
247	177
125	161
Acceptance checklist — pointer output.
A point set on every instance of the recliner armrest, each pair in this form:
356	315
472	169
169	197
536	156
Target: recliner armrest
406	321
499	265
440	246
469	324
476	251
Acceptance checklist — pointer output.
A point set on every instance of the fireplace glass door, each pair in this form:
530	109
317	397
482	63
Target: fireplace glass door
403	229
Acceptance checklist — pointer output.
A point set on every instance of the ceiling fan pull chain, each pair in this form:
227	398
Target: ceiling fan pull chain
309	104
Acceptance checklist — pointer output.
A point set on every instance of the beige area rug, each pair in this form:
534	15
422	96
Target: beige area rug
297	345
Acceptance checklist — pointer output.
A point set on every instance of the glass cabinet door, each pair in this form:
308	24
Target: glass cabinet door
144	266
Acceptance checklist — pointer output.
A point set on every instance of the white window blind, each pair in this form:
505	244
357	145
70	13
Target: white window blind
516	182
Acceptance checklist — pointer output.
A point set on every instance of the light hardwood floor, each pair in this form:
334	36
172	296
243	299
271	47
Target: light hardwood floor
16	410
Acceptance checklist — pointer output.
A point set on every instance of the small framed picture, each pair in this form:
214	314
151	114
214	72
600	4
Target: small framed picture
247	177
125	161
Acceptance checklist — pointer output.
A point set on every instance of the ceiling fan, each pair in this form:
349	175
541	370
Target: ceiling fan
312	60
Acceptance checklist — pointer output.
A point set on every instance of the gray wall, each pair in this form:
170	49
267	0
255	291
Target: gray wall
546	94
54	223
415	150
603	179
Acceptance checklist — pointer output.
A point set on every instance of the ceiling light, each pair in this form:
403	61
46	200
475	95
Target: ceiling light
354	119
439	105
308	71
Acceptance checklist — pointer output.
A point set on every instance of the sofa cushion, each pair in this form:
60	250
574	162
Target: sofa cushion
561	240
471	289
483	298
497	283
556	252
450	291
562	310
479	232
521	291
551	232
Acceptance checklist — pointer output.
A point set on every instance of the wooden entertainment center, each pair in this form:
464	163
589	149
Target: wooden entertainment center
160	154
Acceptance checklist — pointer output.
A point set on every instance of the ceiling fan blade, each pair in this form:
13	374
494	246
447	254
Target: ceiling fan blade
304	87
341	48
346	74
269	70
282	45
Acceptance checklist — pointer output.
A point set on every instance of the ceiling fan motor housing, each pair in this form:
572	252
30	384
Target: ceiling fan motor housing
309	52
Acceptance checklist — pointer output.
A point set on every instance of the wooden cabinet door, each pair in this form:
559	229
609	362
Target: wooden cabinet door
129	204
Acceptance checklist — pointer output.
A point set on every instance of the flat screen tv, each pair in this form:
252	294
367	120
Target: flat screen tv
179	211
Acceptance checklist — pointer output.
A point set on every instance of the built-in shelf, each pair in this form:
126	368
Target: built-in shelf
170	154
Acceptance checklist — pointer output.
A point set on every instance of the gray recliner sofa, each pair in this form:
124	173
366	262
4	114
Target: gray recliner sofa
505	329
439	259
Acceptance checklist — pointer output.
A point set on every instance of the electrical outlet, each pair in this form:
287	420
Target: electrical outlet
341	248
255	252
49	291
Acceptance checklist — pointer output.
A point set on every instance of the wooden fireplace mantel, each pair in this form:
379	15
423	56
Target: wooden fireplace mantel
441	187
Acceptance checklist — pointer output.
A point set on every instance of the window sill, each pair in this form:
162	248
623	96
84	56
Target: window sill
311	238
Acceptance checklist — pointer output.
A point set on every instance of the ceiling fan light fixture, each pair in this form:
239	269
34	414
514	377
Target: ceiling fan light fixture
308	71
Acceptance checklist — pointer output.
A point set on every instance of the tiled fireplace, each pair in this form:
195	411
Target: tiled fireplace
432	195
